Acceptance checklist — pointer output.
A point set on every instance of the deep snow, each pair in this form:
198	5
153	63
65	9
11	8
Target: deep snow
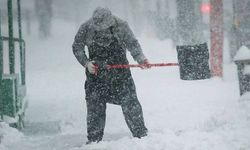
180	115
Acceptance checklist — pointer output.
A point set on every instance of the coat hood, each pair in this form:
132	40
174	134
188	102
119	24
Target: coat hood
102	18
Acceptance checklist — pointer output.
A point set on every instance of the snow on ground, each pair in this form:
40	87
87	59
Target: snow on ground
8	136
180	115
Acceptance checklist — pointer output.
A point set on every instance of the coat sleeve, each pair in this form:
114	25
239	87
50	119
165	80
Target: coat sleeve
79	45
132	44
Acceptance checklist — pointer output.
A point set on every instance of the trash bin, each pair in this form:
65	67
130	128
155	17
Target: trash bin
242	60
193	62
244	79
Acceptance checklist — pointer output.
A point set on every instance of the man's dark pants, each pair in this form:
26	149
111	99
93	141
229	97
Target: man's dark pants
120	92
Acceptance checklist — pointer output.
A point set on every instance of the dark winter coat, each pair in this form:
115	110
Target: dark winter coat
115	85
121	32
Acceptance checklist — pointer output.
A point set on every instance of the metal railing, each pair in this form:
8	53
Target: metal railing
11	43
22	45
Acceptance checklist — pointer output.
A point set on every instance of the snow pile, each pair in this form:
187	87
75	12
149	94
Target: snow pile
8	136
164	141
227	130
246	69
242	54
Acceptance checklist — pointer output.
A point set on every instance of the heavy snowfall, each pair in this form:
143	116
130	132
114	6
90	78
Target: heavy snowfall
180	114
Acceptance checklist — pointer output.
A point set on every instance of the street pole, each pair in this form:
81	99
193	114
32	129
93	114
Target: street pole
1	70
217	37
11	39
1	52
21	44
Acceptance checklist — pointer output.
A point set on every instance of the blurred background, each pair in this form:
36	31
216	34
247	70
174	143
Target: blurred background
156	16
176	108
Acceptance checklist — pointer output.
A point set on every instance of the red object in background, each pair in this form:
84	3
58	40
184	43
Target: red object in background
205	8
217	37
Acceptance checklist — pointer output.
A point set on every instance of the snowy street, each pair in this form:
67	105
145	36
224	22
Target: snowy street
180	115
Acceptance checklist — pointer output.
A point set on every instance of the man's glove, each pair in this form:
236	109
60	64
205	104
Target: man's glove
92	68
145	64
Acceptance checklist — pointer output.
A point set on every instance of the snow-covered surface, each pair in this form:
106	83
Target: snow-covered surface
242	54
180	115
8	136
246	69
245	97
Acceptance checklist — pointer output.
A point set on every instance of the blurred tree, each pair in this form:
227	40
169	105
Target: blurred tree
136	15
240	29
27	17
44	13
189	22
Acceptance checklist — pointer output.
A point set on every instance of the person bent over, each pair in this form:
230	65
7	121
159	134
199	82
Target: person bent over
107	38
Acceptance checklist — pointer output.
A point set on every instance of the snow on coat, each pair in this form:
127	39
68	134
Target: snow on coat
121	32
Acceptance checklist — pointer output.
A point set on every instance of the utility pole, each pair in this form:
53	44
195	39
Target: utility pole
217	37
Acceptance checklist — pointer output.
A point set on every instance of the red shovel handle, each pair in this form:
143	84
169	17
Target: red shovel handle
142	65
